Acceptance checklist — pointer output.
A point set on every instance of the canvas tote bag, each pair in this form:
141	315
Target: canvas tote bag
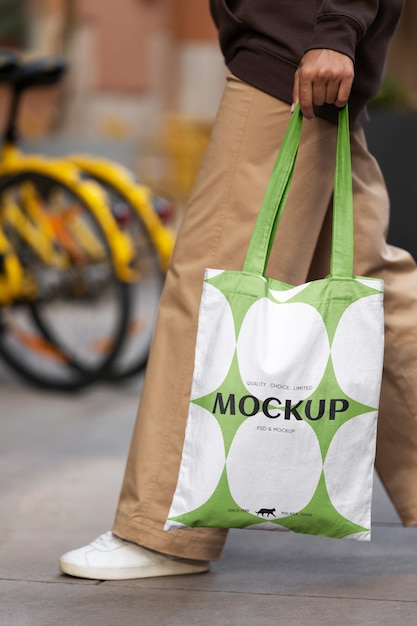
282	418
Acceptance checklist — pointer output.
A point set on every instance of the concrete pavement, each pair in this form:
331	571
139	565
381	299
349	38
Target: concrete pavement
61	464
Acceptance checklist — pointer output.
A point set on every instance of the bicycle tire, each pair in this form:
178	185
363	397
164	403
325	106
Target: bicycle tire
145	291
66	337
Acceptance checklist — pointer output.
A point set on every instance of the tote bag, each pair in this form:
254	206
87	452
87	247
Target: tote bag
281	427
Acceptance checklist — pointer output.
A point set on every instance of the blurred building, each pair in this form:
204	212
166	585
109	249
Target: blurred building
403	53
131	60
147	72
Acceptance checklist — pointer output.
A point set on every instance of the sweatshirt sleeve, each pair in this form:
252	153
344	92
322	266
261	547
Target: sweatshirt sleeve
340	24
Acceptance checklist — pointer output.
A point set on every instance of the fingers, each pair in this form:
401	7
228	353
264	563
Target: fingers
323	77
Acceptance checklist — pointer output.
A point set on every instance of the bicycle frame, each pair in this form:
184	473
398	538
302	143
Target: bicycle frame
11	273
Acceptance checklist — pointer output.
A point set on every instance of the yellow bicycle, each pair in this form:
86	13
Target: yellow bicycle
133	208
67	267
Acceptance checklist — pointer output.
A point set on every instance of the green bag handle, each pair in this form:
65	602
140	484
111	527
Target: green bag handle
341	260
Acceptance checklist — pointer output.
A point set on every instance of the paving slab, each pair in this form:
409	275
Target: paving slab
62	459
113	605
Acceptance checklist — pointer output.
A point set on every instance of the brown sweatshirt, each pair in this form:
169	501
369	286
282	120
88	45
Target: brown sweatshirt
263	42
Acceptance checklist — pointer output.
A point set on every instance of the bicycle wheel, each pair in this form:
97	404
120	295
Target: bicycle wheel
72	321
145	291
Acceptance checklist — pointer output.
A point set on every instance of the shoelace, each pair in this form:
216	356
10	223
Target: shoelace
107	540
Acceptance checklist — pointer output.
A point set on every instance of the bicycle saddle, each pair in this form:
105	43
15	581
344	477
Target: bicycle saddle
9	61
39	73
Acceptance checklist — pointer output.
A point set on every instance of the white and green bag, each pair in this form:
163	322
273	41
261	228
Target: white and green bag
282	418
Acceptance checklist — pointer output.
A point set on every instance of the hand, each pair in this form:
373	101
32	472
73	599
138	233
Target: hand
323	76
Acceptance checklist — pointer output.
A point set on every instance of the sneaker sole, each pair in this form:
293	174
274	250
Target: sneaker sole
156	570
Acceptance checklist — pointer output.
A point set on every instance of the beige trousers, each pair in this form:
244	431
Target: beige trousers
215	233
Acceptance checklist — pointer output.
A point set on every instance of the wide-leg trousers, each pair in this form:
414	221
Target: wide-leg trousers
215	233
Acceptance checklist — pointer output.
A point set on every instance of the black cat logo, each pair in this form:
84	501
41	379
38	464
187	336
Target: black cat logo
266	512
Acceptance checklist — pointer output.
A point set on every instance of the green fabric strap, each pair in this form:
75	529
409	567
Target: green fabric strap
341	264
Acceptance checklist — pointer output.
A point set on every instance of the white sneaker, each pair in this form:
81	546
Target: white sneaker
111	558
